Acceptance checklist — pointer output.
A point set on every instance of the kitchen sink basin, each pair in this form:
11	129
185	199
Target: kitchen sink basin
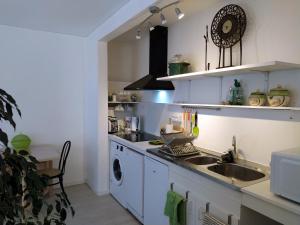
236	171
202	160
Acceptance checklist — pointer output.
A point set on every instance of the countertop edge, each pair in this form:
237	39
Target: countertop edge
262	191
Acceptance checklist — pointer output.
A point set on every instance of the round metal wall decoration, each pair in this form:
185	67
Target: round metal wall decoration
228	26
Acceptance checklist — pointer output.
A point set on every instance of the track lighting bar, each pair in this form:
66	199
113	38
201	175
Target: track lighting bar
156	10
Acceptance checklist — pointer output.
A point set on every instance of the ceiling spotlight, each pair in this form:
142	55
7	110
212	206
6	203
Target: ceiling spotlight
138	35
151	27
163	19
179	14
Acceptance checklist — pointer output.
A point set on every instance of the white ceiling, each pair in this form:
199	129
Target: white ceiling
75	17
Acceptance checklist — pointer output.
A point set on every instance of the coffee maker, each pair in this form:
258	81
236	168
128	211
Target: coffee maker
112	125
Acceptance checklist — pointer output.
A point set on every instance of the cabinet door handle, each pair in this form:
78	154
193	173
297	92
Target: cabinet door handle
121	148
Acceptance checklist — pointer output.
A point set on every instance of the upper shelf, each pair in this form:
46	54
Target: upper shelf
236	70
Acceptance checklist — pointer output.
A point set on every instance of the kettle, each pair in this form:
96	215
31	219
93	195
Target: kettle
135	124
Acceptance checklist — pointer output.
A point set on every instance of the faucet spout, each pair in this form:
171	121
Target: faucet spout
235	152
231	155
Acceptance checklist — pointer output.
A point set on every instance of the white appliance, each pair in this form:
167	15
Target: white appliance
117	172
156	186
285	170
134	181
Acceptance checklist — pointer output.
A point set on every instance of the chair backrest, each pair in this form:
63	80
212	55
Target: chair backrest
64	155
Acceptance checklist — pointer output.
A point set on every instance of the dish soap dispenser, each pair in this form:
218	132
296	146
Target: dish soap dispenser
236	96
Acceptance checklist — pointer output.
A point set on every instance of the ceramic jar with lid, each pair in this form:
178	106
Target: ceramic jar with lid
279	97
257	98
177	65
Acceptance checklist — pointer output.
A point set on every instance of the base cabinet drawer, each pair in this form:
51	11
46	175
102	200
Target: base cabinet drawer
156	186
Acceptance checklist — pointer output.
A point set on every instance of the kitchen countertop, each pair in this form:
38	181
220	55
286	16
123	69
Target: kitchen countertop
140	147
262	191
202	169
152	151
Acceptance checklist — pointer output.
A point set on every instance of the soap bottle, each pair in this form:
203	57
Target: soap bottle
235	95
238	95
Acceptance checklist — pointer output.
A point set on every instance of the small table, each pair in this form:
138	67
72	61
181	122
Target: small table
45	154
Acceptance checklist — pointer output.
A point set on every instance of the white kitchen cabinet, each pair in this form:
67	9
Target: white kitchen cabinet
223	201
134	183
156	186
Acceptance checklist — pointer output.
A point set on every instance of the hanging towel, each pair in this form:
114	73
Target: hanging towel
175	208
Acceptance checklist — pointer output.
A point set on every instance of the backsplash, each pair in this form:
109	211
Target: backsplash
258	132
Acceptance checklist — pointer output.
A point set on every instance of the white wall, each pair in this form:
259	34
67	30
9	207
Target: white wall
96	82
271	35
45	72
121	61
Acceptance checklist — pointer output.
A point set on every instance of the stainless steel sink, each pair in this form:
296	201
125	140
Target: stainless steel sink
202	160
236	171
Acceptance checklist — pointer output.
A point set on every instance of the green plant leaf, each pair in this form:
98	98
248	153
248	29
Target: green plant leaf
3	138
58	206
23	153
49	210
63	214
72	211
33	159
47	221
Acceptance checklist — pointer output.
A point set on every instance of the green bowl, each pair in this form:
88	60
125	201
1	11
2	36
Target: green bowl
20	142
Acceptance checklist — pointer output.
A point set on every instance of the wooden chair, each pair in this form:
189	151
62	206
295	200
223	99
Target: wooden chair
54	174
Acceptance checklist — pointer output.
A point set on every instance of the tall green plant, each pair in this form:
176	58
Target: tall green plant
22	200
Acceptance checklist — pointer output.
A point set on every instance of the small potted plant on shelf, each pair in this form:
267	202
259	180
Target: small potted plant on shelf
22	200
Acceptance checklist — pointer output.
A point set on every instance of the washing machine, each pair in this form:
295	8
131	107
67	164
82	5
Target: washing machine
117	171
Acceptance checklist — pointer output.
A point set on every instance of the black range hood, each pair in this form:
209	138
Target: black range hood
158	51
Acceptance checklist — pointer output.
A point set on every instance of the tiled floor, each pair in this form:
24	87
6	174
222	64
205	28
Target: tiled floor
94	210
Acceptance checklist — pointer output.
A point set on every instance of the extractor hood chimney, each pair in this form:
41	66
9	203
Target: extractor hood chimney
157	65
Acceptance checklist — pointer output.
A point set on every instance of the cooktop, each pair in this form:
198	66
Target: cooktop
138	136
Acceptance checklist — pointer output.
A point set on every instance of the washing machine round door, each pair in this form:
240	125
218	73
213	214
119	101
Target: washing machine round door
117	171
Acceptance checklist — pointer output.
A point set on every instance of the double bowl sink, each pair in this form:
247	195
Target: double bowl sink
228	170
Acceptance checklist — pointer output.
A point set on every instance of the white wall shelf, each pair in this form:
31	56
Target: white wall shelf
219	107
236	70
212	106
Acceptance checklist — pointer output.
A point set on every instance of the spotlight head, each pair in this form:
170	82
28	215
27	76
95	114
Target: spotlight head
138	35
163	19
179	14
151	27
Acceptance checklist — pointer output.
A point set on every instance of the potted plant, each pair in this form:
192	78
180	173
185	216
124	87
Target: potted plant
22	200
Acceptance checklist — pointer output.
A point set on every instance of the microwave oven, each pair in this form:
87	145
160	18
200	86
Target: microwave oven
285	174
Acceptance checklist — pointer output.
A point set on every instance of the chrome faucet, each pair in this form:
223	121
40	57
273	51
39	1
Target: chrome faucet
234	151
232	154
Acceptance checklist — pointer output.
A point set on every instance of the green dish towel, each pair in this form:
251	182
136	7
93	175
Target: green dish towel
175	208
